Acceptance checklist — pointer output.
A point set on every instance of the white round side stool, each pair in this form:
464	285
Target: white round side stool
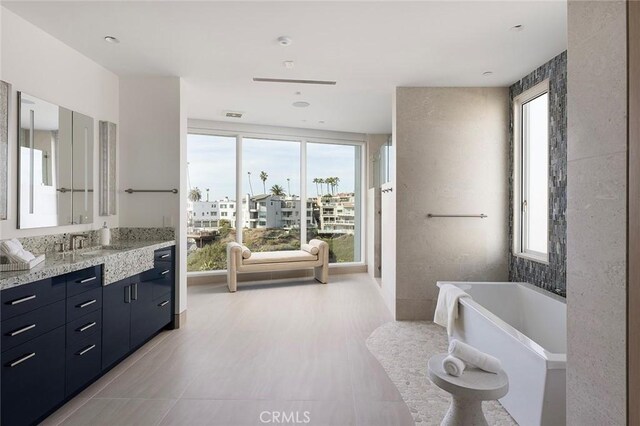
467	392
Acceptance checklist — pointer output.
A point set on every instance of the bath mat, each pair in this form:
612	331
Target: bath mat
403	348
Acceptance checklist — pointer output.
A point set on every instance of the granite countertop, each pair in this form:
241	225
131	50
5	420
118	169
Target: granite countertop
121	260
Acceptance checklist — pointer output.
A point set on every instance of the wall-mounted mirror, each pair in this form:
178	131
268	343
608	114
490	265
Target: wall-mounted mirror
55	165
82	140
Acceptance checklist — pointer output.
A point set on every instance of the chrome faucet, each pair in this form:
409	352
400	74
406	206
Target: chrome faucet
81	238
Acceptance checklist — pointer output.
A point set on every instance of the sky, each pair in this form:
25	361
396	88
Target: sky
212	161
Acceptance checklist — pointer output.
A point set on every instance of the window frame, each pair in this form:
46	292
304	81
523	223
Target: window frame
520	186
303	137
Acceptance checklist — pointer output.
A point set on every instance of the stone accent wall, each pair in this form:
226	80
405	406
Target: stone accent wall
550	276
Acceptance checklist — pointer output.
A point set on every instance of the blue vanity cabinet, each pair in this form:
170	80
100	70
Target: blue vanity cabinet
116	321
33	350
83	328
62	333
33	378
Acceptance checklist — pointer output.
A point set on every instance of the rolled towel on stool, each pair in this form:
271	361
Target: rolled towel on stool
453	366
473	356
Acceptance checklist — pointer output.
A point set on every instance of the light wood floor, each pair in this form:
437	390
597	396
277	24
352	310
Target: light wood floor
288	347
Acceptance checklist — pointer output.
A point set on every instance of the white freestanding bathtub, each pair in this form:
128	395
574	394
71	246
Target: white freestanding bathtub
526	328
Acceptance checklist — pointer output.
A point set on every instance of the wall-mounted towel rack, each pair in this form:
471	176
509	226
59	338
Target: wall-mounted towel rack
481	216
131	191
63	190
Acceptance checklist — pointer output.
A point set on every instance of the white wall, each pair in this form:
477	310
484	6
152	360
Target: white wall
38	64
597	213
153	128
452	150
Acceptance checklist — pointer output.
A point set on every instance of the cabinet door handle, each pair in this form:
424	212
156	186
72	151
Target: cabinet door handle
164	256
22	330
24	299
165	272
127	294
21	360
86	280
85	350
135	291
86	327
85	304
163	303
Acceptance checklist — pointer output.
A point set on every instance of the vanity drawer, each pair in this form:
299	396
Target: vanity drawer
163	256
28	297
84	280
162	280
33	376
160	314
83	327
25	327
84	362
82	304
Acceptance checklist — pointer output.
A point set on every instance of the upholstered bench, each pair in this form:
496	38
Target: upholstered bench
313	255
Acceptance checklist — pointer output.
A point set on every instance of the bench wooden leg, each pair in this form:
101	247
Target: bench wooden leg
232	281
321	273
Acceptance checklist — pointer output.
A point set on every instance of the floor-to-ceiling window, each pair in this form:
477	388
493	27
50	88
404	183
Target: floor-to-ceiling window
257	183
211	174
333	198
271	194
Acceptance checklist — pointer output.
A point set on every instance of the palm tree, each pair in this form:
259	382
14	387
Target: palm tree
195	194
277	190
331	182
207	194
328	182
250	187
263	178
336	181
321	182
289	186
316	181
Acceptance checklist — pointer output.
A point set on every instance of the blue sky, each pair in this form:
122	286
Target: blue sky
212	165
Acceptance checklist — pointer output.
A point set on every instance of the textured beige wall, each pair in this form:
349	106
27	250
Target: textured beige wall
452	157
596	213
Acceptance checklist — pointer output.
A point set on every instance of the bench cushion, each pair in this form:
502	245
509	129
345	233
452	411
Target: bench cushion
279	257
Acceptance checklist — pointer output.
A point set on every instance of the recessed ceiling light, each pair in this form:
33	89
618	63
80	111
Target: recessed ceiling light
111	39
288	64
518	27
301	104
487	73
321	121
284	41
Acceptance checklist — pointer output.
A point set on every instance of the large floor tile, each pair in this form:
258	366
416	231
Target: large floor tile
120	412
235	413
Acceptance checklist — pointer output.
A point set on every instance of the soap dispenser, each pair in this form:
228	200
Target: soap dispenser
105	235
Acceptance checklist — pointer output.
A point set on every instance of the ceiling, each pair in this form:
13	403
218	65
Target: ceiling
367	47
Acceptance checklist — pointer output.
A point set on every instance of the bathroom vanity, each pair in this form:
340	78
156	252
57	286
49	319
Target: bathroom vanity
68	321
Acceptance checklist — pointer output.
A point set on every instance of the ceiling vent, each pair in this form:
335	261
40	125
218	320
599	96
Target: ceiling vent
286	80
233	114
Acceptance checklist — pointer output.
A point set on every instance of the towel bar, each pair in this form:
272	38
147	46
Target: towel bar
131	191
481	216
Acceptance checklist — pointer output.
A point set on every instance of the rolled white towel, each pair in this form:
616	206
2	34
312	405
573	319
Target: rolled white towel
15	252
453	366
473	356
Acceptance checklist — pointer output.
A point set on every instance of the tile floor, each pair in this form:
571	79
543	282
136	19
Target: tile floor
290	348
